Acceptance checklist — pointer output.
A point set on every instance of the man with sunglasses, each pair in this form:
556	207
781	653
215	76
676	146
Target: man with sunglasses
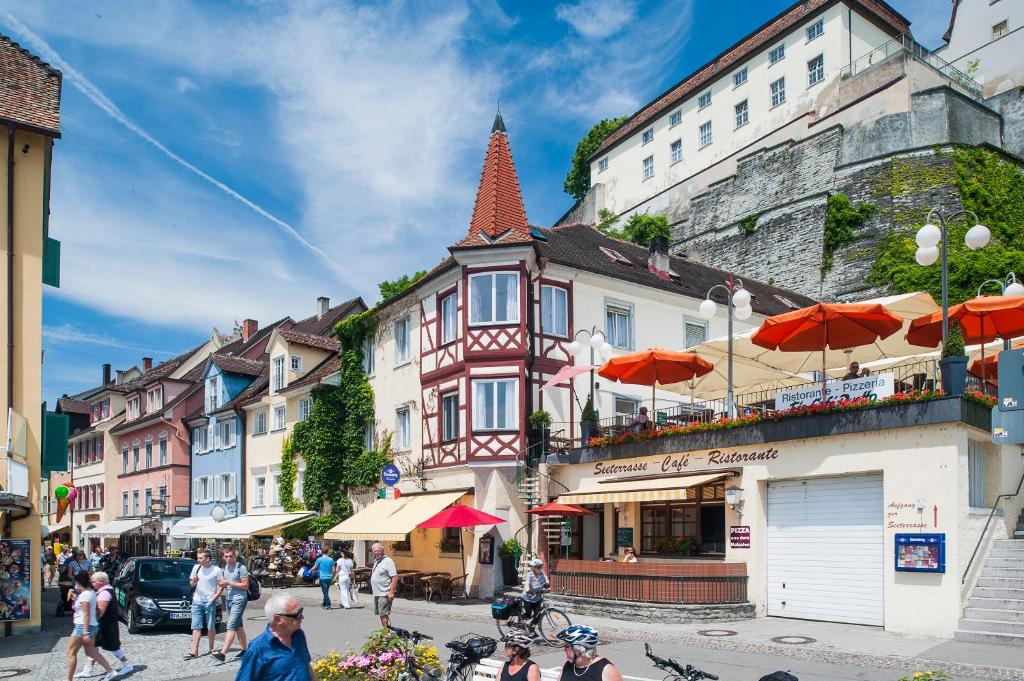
280	652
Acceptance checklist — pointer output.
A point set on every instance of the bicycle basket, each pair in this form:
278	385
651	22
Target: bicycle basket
503	608
474	646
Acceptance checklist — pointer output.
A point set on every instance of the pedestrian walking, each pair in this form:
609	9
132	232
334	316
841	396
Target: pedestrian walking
86	628
96	557
203	579
383	582
280	652
111	561
109	637
518	665
324	569
347	580
49	565
582	661
236	582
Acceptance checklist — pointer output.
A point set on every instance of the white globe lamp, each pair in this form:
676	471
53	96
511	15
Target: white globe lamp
707	309
741	298
1014	289
927	256
928	236
597	340
218	513
743	312
574	348
977	237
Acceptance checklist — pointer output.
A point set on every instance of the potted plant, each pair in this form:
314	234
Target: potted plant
672	546
954	362
509	552
588	421
449	545
540	431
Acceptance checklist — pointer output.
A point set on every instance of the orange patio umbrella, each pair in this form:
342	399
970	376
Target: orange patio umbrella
654	366
986	367
834	326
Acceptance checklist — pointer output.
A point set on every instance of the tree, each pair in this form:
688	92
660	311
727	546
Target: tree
577	180
390	289
640	228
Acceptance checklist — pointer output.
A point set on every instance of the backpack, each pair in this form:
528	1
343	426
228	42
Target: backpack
254	590
779	676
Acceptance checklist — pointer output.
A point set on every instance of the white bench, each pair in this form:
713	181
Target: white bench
489	669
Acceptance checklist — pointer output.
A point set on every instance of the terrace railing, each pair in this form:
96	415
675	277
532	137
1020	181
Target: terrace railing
578	580
904	44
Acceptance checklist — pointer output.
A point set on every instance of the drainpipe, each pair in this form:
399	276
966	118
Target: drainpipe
241	462
10	268
849	35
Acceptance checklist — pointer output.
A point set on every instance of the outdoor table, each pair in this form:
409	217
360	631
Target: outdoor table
407	581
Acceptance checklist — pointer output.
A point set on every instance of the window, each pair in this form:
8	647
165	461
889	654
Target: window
449	318
704	100
602	165
675	119
777	54
124	504
495	405
369	356
148	499
226	433
105	408
199	440
135	456
99	449
742	113
296	362
677	151
227	486
494	298
618	326
124	460
1000	29
280	417
816	70
300	483
259	422
259	490
815	29
450	417
368	437
277	373
149	453
402	341
778	92
976	474
694	332
96	410
135	502
705	134
740	77
554	311
648	136
403	436
132	408
625	408
648	167
155	399
212	394
305	406
275	489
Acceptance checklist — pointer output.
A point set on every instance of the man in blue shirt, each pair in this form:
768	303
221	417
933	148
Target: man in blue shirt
325	565
280	652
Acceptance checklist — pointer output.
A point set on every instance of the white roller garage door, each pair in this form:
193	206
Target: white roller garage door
825	549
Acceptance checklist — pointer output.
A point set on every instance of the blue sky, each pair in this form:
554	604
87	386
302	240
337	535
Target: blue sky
238	159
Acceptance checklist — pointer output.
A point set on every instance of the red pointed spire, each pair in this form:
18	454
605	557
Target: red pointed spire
499	215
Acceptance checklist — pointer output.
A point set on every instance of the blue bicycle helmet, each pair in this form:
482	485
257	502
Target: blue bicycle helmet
579	635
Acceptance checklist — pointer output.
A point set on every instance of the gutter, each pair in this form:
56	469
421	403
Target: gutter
10	267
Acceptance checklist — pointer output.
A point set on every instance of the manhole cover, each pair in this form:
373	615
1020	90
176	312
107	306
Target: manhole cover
716	632
11	673
794	640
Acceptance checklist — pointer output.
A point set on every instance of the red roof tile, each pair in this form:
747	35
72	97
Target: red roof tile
310	339
30	95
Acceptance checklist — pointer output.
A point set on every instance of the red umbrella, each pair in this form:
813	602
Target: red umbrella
654	366
460	515
555	508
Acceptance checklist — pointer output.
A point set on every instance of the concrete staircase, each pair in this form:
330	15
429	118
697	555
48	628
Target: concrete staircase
995	612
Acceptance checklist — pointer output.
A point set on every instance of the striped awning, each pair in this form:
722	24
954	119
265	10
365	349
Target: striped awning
651	489
393	519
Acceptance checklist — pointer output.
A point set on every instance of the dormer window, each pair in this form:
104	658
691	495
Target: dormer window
155	398
296	362
212	394
132	408
277	373
615	256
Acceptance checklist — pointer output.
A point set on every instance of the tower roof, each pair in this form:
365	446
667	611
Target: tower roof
499	216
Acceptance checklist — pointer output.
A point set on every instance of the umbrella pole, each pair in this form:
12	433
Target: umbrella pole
462	556
824	376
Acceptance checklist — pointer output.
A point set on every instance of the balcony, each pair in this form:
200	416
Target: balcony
904	46
14	489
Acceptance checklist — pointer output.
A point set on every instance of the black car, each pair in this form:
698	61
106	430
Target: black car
154	592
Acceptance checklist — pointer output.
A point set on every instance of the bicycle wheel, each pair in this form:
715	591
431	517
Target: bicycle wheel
463	672
551	624
513	623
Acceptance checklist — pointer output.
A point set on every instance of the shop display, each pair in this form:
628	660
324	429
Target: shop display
15	573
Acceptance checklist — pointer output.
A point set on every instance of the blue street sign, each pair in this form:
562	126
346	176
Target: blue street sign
389	475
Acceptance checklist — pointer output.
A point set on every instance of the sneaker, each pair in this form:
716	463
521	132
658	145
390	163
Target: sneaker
240	654
219	656
110	676
126	668
83	672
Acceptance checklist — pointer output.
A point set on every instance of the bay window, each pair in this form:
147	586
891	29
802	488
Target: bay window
495	404
449	318
450	417
554	311
494	298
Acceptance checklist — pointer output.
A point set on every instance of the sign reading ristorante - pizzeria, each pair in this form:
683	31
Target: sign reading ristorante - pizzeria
675	463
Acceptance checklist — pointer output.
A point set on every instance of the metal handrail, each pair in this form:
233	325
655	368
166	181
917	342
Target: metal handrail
995	506
916	51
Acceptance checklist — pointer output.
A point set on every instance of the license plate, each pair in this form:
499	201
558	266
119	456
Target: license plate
180	615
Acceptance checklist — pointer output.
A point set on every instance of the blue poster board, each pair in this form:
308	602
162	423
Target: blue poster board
921	552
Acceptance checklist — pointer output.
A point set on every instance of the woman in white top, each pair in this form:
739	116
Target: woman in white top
346	580
86	627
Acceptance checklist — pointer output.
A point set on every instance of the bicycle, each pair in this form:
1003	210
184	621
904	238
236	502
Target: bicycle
467	651
678	672
544	626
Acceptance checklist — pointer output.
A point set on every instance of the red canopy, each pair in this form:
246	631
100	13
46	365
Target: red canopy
460	515
834	325
555	508
649	367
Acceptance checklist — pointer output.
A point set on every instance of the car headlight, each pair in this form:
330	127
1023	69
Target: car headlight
146	602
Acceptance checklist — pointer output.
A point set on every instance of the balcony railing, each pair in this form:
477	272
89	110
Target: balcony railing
622	585
13	476
904	44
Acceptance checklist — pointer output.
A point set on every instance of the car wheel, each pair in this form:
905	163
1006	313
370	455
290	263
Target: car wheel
133	627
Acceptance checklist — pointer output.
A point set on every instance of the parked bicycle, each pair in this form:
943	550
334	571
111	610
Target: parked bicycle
680	672
467	651
544	626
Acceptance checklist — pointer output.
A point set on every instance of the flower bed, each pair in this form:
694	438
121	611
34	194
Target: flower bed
382	658
855	404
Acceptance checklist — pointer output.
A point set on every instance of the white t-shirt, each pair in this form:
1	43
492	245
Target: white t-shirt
86	596
345	569
207	582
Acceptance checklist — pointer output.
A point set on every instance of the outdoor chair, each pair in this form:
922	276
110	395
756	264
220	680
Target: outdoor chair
439	585
457	587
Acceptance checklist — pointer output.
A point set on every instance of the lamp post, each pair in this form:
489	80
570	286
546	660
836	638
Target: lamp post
157	508
928	239
738	304
596	343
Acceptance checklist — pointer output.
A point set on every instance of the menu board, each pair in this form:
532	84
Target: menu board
15	573
623	537
921	552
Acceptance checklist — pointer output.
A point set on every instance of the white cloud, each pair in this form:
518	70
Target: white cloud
184	84
597	19
71	334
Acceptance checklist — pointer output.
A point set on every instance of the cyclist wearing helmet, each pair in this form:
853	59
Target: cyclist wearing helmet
519	666
533	591
582	663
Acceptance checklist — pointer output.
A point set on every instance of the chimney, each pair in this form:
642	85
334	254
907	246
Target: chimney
657	258
147	363
120	377
106	374
323	304
249	327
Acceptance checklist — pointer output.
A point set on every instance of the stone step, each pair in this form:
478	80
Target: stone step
1008	544
995	561
1015	572
993	626
1002	582
1001	615
989	637
997	592
1015	554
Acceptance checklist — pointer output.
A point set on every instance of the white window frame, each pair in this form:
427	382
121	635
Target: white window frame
135	455
147	500
149	452
162	444
368	437
155	398
647	136
259	490
706	134
494	321
450	417
778	94
1005	23
124	460
675	118
226	433
648	168
549	300
450	318
303	408
676	152
704	101
403	429
295	362
199	440
777	54
212	394
742	110
132	408
620	305
280	418
739	78
602	164
632	411
369	356
816	70
815	30
690	321
259	422
478	414
403	350
275	488
277	374
227	487
135	503
124	503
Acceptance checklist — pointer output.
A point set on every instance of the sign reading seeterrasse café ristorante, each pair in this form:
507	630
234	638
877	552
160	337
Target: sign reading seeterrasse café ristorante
677	463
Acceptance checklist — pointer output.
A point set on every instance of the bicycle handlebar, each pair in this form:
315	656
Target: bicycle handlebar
689	672
413	636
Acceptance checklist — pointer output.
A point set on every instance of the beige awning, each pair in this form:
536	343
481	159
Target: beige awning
651	489
115	528
244	526
393	519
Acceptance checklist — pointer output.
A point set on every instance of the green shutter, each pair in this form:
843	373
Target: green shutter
55	442
51	262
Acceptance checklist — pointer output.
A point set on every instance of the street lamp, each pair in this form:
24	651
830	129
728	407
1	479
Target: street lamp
928	252
738	304
157	508
1010	286
596	343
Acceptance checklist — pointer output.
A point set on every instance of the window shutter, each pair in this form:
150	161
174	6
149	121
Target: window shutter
197	491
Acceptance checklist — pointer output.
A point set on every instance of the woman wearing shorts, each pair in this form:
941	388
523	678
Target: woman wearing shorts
86	627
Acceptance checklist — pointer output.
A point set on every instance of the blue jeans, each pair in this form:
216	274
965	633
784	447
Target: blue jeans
325	586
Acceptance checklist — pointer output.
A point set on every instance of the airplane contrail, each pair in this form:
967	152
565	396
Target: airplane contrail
94	94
